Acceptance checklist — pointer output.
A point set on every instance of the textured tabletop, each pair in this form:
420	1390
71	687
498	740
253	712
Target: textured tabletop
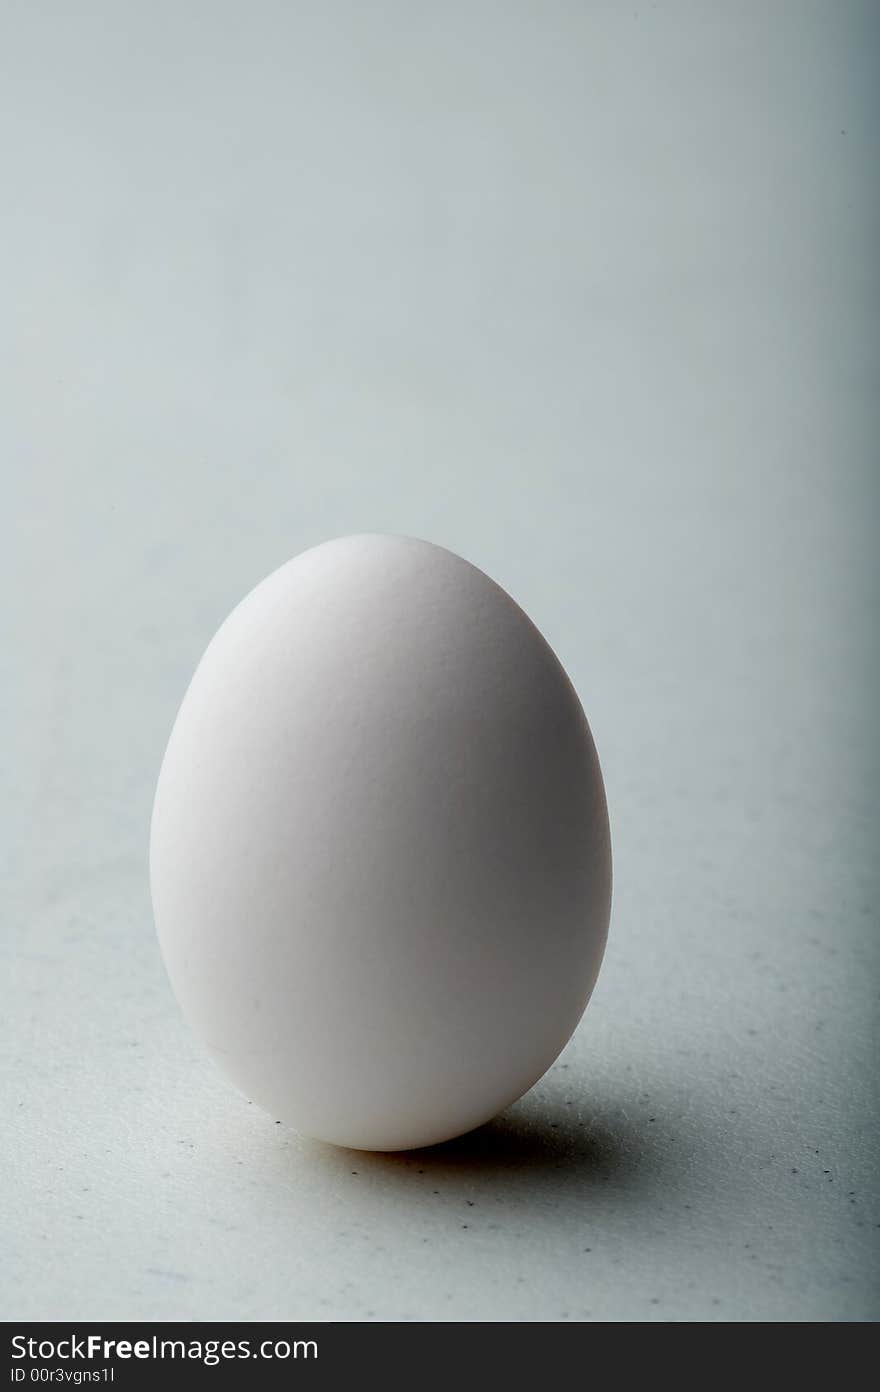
588	294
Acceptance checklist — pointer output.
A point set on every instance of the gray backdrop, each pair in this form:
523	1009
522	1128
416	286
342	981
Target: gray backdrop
587	292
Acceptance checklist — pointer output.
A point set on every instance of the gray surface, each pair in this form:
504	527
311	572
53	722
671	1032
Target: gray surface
588	294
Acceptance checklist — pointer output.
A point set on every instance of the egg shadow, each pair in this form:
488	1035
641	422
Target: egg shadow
528	1139
545	1142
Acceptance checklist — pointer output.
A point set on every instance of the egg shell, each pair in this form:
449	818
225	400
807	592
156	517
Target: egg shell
380	853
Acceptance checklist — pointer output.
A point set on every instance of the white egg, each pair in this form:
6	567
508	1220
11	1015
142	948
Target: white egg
380	855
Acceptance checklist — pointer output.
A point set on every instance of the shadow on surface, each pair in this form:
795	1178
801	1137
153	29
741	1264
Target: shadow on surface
527	1138
540	1142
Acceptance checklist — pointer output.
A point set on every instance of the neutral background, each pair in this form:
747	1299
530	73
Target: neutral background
588	293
